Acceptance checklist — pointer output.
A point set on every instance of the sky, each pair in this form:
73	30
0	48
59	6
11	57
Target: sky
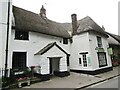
103	12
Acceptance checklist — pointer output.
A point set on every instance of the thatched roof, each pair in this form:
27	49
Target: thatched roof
116	37
29	21
87	24
48	47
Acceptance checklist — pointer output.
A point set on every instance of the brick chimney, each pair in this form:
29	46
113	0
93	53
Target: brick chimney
43	12
74	23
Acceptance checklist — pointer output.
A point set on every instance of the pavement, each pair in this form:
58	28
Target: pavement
76	80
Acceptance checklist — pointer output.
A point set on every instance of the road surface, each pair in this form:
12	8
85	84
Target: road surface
111	83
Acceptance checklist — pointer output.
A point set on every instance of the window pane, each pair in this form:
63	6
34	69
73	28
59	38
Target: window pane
79	60
99	41
84	60
102	59
21	35
65	41
19	60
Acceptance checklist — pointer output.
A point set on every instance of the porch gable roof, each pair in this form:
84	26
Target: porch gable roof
48	47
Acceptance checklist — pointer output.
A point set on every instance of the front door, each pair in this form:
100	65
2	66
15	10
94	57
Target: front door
54	65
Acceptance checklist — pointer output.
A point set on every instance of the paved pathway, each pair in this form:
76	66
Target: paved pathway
75	80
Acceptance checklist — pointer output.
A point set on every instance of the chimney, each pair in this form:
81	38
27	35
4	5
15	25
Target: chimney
43	12
74	23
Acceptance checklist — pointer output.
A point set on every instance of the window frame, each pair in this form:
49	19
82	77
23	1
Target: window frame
16	59
84	59
68	62
99	41
104	59
65	40
80	61
24	33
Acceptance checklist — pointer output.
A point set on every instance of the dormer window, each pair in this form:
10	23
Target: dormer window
21	35
99	41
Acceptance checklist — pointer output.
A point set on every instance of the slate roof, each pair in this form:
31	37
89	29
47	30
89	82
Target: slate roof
29	21
87	24
49	46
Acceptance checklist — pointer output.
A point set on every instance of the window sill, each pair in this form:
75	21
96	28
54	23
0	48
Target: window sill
20	40
103	65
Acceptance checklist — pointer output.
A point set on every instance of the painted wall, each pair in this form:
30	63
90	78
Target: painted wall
36	42
93	45
3	30
87	42
80	44
43	60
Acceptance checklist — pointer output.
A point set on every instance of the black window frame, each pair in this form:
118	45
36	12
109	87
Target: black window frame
65	40
99	59
80	61
99	41
68	62
17	58
84	60
84	57
25	35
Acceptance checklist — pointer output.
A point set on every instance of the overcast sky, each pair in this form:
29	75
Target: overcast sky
103	12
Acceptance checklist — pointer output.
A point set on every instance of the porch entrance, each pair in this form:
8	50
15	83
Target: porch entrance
54	64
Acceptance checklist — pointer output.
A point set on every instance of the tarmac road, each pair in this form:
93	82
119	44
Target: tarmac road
111	83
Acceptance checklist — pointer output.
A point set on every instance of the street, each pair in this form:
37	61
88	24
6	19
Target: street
112	83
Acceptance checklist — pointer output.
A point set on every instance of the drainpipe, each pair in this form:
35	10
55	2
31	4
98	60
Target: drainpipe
6	57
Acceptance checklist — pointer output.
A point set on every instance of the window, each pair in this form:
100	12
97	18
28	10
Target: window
99	41
84	60
65	40
19	60
102	59
80	61
68	63
21	35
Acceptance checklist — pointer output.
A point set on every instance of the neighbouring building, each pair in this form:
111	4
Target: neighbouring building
114	43
57	48
89	50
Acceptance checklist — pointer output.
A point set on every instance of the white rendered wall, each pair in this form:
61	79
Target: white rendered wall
87	42
43	60
94	56
36	42
80	44
3	30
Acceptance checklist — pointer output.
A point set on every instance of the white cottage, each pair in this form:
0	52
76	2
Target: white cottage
89	50
40	42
